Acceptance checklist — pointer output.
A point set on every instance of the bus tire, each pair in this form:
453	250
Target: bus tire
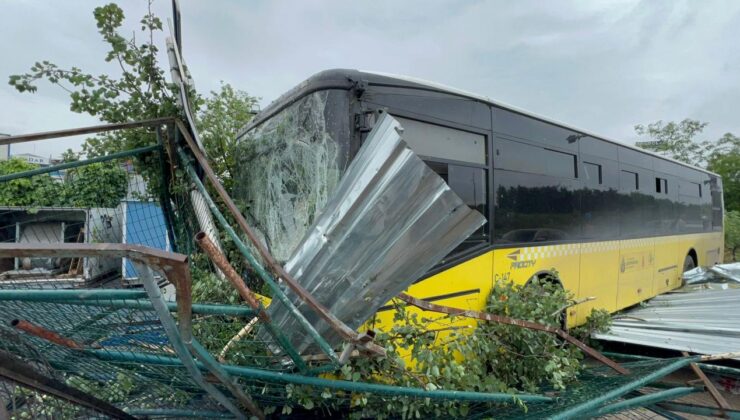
551	278
688	263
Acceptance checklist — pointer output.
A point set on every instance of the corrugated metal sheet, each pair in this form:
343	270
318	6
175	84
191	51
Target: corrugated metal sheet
389	221
700	321
719	272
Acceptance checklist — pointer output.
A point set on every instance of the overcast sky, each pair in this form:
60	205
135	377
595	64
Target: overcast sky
599	65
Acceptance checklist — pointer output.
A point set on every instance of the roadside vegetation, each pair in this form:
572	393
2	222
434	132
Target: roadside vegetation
732	235
489	357
95	185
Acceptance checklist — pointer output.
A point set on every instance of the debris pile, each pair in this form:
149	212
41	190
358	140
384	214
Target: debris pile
720	273
699	318
389	221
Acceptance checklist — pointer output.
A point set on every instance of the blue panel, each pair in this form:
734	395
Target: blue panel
145	225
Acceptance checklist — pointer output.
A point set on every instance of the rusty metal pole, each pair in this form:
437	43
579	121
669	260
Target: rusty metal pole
219	259
335	323
22	138
45	334
18	371
223	264
713	391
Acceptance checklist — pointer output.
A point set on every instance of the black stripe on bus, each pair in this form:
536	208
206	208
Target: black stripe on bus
435	298
667	268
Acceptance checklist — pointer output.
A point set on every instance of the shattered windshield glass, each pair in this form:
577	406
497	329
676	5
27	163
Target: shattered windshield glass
390	220
288	166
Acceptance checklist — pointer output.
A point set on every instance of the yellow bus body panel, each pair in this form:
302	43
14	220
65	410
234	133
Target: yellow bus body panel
618	274
465	285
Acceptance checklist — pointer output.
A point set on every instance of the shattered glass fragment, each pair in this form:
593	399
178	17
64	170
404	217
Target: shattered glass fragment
390	219
289	165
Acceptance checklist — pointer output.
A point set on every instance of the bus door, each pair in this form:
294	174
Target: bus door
637	219
667	270
600	249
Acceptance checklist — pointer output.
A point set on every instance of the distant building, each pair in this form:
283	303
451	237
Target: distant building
43	162
35	159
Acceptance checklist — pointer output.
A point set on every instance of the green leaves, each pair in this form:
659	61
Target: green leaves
135	89
732	232
108	18
95	185
224	113
139	92
680	141
441	353
525	359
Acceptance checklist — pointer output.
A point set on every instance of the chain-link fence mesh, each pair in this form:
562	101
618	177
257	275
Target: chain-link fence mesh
22	402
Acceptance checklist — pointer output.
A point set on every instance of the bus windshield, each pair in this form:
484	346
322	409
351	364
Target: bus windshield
288	165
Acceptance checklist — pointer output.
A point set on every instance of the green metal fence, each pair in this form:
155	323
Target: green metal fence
109	309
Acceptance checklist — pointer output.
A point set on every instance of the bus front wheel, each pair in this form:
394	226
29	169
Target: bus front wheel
688	263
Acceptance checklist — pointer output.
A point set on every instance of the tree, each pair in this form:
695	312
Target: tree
224	113
95	185
679	141
725	161
39	190
732	232
70	155
140	91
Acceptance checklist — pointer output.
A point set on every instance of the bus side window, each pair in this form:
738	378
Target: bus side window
599	193
536	193
629	181
661	185
593	174
715	189
438	142
459	157
690	218
470	184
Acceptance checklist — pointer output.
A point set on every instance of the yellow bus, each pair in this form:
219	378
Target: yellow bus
614	222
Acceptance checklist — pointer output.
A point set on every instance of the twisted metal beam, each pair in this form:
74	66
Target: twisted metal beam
336	324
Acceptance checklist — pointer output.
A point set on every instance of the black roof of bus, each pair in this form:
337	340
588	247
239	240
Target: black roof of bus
350	78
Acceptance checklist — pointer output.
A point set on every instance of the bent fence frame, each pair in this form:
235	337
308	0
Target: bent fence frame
171	146
185	153
175	268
